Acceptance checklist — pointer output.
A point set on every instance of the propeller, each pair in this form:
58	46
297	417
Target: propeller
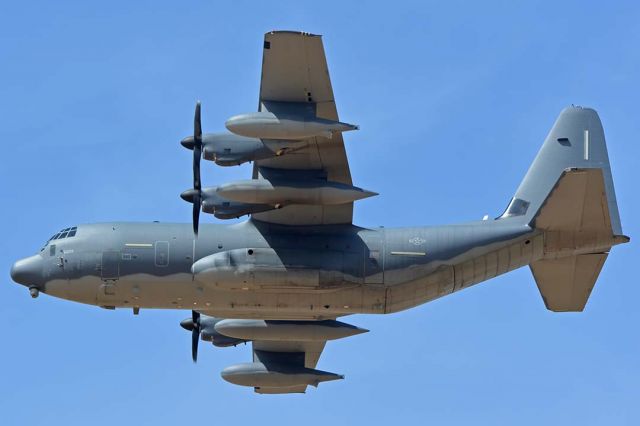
194	195
193	324
197	155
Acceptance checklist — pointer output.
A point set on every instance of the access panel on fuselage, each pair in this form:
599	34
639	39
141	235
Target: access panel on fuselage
373	256
110	265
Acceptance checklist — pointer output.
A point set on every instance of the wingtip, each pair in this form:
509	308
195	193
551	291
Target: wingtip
621	239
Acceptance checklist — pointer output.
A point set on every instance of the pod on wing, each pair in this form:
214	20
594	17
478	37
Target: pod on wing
262	191
256	374
267	125
247	329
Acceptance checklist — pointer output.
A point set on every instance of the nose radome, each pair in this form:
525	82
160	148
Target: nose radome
27	271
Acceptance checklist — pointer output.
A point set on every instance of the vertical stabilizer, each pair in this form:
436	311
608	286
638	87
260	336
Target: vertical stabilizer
576	141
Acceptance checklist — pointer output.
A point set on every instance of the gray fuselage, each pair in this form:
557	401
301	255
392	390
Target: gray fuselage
258	270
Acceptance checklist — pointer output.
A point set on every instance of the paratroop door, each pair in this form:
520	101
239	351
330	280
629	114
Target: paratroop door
110	265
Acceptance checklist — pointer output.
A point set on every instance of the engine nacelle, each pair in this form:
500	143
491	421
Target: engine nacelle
263	191
267	125
227	149
223	208
208	333
297	331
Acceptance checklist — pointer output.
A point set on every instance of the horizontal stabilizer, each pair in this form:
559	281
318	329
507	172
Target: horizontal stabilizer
566	283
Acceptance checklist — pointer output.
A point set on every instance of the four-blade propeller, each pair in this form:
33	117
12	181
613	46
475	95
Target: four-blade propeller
197	155
193	324
194	195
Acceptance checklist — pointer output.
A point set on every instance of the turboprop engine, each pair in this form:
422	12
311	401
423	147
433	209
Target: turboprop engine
266	125
284	331
222	208
203	327
285	121
227	149
275	192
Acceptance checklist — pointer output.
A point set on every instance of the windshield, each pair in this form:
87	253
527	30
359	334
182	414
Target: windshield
64	233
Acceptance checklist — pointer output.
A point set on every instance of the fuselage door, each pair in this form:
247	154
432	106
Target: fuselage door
374	257
162	253
110	265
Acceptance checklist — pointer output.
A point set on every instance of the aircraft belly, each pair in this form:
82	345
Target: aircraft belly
179	291
417	285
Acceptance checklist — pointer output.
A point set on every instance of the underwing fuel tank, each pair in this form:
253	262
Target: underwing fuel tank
267	125
305	331
263	191
257	375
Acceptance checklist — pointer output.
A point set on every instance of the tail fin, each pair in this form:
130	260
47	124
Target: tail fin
568	193
576	140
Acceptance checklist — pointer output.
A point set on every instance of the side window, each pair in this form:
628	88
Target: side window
52	250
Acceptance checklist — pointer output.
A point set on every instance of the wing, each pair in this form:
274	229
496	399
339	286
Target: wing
304	354
285	353
294	69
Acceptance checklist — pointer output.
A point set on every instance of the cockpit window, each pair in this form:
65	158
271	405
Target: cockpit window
65	233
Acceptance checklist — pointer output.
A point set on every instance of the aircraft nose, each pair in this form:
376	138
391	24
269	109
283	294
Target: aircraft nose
27	271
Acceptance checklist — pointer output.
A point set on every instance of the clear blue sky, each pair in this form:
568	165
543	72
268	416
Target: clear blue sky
453	99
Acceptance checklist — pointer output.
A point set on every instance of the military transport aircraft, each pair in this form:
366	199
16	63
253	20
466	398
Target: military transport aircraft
282	278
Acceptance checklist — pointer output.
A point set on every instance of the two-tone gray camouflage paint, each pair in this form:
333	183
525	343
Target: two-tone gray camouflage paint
271	275
336	270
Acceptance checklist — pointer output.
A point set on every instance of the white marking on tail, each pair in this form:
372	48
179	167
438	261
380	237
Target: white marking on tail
586	144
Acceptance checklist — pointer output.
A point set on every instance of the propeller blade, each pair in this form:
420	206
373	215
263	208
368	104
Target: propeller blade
197	147
197	125
197	155
196	212
195	335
